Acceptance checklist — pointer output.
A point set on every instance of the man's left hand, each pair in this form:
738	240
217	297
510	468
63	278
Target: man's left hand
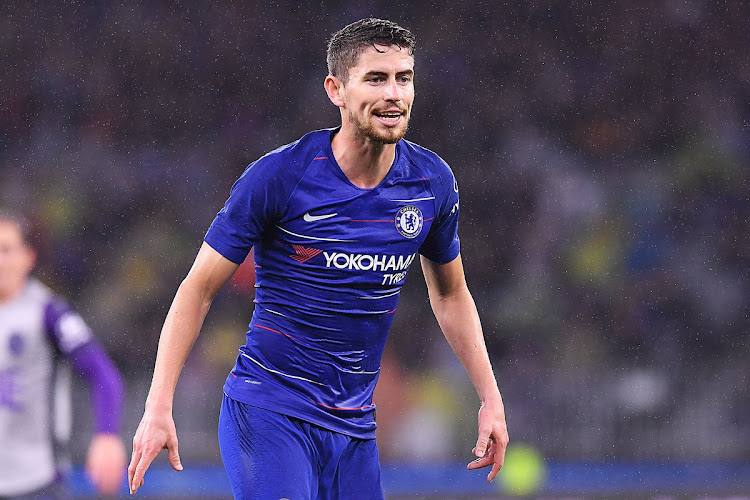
105	463
493	438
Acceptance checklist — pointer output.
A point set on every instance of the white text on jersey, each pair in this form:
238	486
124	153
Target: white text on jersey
367	262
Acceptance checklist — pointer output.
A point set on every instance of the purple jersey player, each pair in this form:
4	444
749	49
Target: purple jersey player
38	331
336	218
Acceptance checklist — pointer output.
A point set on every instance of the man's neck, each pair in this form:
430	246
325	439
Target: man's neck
12	292
364	162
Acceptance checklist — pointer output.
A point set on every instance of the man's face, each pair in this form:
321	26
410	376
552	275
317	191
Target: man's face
379	93
16	259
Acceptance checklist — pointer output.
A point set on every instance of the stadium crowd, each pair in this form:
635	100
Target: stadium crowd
602	156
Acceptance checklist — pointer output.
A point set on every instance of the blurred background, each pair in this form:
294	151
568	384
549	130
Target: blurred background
602	155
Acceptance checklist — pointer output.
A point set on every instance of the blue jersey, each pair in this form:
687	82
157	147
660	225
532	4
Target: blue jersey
330	262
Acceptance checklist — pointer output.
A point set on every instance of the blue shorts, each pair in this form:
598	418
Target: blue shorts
268	455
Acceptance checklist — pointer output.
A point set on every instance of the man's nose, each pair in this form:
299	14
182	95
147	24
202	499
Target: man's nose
392	91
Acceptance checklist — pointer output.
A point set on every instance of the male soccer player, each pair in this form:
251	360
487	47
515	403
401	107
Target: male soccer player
336	219
38	330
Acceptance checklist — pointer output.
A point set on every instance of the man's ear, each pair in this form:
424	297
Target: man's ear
335	90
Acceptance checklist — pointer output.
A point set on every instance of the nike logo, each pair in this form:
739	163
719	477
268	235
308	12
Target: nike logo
313	218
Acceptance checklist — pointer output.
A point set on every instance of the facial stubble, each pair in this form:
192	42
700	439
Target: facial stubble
366	130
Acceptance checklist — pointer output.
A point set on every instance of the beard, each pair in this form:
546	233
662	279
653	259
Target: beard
390	135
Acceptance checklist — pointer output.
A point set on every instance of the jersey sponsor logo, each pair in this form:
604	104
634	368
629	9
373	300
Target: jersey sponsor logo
395	266
368	262
409	221
314	218
304	253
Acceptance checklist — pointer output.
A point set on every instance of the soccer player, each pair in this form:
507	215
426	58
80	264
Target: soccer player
336	218
38	330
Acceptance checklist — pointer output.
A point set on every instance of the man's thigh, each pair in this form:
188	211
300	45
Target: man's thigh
266	454
357	475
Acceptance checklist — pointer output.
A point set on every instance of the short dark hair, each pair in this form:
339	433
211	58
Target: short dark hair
347	43
23	224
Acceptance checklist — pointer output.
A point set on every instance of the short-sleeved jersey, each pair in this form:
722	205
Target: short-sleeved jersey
330	262
37	330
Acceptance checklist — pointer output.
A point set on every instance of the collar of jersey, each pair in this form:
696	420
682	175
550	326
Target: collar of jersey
340	173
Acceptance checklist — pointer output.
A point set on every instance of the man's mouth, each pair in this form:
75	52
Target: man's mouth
389	117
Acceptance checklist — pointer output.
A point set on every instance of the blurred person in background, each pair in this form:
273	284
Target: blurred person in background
336	219
38	331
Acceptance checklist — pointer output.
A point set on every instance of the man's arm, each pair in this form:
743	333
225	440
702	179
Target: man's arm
457	315
106	457
181	328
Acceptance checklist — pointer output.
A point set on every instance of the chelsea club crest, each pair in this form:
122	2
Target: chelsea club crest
409	221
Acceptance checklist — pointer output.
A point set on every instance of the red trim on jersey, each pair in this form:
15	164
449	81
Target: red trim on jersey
320	158
275	331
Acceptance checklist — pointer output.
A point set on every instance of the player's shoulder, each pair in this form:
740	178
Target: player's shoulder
426	160
37	292
296	154
284	166
36	296
53	303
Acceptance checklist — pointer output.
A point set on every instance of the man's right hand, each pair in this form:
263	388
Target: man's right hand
209	273
155	433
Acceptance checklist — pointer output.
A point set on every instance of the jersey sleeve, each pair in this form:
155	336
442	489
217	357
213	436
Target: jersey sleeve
105	384
442	243
65	326
254	202
73	338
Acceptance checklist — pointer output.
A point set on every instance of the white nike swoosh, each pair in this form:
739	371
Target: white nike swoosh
313	218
